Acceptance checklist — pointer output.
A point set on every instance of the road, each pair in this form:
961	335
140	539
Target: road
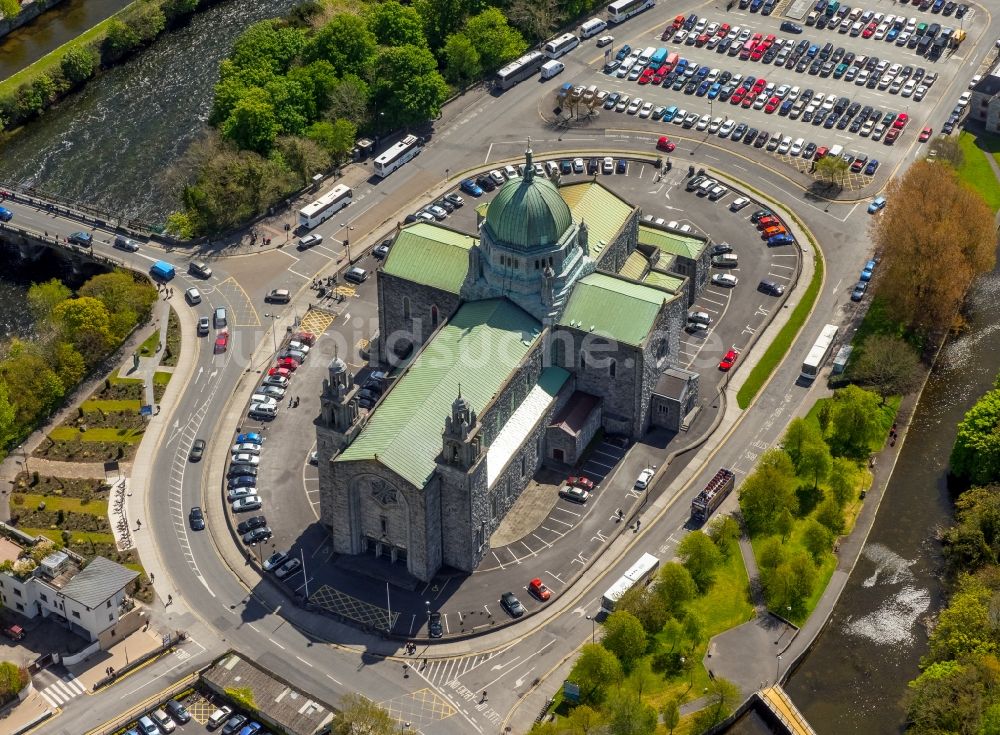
445	695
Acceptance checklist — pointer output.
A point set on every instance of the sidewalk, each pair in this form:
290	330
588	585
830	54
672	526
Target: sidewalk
22	716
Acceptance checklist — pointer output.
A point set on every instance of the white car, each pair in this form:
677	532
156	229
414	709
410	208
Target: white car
246	447
964	98
744	35
975	80
273	391
713	76
796	149
726	128
299	346
737	204
645	111
680	36
263	399
279	380
909	88
251	502
244	458
607	165
920	93
634	106
862	78
680	117
713	127
642	481
578	166
240	492
785	145
725	279
758	104
509	171
703	122
497	176
782	91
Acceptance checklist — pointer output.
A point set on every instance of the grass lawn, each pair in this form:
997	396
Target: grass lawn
95	405
172	352
976	170
148	348
161	377
56	503
118	380
68	434
886	417
92	537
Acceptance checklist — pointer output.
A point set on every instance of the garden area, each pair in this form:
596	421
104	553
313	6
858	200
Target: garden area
648	660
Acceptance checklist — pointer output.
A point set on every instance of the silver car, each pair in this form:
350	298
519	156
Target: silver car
251	502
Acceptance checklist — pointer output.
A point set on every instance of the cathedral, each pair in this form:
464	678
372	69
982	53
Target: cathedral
507	349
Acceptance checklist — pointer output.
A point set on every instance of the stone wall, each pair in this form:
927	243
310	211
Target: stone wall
28	13
396	329
464	513
571	446
612	258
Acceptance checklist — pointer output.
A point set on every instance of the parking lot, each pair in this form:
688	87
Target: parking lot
862	80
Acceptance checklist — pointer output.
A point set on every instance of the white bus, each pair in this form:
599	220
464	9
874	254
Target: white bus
561	45
397	155
621	10
325	207
819	352
520	69
639	573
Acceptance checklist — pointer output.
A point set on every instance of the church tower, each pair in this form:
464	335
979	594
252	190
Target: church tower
339	422
462	445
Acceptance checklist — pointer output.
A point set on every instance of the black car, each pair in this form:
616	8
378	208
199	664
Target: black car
593	165
770	287
511	604
738	132
197	519
750	137
789	27
486	183
251	523
257	535
722	248
197	450
82	238
234	724
760	214
565	167
445	205
761	139
367	398
242	481
434	627
235	470
622	166
961	10
177	710
808	151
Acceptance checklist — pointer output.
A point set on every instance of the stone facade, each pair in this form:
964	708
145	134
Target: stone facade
674	397
612	258
408	314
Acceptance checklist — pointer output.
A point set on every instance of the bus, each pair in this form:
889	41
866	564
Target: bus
709	499
561	45
640	573
621	10
325	207
819	352
520	69
397	155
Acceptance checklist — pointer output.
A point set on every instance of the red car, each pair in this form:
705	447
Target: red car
767	221
283	372
926	133
869	30
759	85
756	37
772	105
749	100
288	363
701	40
900	122
539	590
679	21
646	76
737	96
728	360
306	337
584	482
665	144
222	341
723	30
892	135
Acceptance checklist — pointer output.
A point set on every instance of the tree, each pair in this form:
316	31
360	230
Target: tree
346	42
888	364
8	424
44	297
595	669
535	17
725	531
127	300
9	8
69	364
78	64
931	219
649	608
12	679
461	60
790	583
629	715
624	637
444	17
768	490
293	104
831	515
177	9
348	100
975	455
947	148
336	138
671	714
843	480
303	156
831	169
675	586
87	324
494	39
955	697
700	557
815	461
252	123
396	25
964	626
359	715
268	44
855	420
816	538
119	40
408	87
799	433
723	696
584	720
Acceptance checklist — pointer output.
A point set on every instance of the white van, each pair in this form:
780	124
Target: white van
835	150
551	68
646	54
592	27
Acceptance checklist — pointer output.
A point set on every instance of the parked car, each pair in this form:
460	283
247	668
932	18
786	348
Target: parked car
644	478
876	205
728	360
771	288
574	494
278	296
539	590
434	627
251	524
725	279
356	275
470	187
251	502
218	717
256	536
288	568
859	291
510	603
178	711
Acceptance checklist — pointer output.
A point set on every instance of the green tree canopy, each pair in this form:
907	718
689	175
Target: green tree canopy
44	297
293	104
768	490
408	87
346	42
78	64
252	124
595	669
625	637
443	17
701	557
815	461
269	43
8	425
976	454
725	531
790	583
359	715
855	422
395	24
629	715
650	608
494	39
337	137
817	539
965	625
888	364
799	433
974	539
843	480
86	323
675	586
461	60
955	697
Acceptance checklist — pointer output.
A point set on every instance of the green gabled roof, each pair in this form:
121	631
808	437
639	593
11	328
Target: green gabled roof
673	284
603	211
670	242
613	307
430	255
478	348
635	266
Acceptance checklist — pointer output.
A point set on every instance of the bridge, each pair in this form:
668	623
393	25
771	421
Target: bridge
778	707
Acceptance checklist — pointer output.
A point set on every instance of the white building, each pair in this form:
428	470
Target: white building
87	600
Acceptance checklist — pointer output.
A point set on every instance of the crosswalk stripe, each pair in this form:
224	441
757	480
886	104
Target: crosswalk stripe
73	683
48	698
64	690
53	693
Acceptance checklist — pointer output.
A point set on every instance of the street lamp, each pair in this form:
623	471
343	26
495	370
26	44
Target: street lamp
593	627
274	339
404	726
347	240
777	674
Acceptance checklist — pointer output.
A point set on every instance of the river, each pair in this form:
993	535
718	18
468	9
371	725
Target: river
52	29
113	144
854	679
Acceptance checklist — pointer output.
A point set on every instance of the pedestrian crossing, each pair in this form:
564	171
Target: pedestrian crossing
442	671
62	690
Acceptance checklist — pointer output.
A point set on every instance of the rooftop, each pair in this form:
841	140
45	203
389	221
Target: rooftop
430	255
614	307
635	266
990	83
99	581
666	281
528	212
604	211
675	243
475	353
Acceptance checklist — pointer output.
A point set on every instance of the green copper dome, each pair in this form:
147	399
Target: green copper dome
528	212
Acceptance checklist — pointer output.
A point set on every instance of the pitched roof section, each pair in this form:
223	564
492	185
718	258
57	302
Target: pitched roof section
674	243
634	267
990	83
667	282
431	255
98	582
603	211
478	348
613	307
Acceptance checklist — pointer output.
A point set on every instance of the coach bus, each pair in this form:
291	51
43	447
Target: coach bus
561	45
819	352
520	69
397	155
640	573
621	10
325	207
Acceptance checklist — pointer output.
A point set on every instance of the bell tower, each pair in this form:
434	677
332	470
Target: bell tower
461	443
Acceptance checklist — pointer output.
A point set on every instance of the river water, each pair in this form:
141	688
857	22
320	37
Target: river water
52	29
113	144
854	679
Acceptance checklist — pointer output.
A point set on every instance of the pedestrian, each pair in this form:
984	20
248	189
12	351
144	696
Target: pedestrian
170	599
485	698
138	524
290	401
637	526
892	442
152	578
406	671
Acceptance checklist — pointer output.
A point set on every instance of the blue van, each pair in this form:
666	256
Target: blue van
658	57
162	271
